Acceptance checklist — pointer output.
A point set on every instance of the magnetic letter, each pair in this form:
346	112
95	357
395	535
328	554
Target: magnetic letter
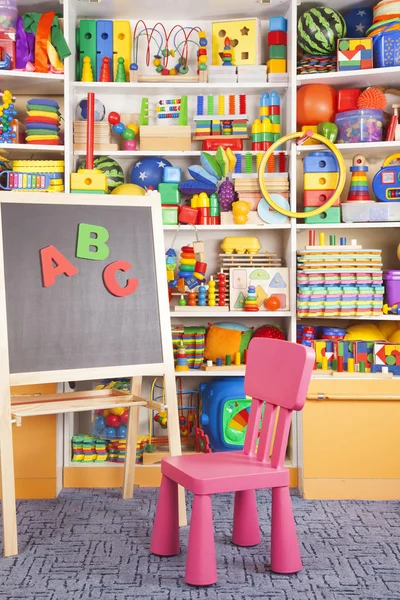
49	257
111	283
85	241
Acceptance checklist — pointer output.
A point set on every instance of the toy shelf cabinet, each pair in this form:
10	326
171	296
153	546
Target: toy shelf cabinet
319	466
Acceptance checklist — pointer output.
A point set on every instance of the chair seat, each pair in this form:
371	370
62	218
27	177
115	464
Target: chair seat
222	472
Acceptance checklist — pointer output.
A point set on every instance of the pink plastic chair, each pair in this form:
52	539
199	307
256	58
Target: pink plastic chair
277	374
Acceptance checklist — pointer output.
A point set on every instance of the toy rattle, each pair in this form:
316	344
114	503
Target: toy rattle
302	137
386	183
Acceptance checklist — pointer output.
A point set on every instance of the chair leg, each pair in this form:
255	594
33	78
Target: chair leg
285	552
165	536
246	530
201	564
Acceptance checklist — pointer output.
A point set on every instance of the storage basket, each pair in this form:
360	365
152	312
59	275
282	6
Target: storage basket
387	49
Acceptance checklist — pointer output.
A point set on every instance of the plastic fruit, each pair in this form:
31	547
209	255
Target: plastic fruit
272	303
269	331
316	103
226	194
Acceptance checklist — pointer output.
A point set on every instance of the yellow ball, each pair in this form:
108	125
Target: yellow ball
106	412
156	62
119	410
202	59
202	34
173	72
134	128
128	189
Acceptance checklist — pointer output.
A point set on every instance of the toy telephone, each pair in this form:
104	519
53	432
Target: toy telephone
386	183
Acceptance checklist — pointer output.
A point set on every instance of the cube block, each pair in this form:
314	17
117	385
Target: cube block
332	215
170	215
276	65
277	51
320	181
169	193
317	197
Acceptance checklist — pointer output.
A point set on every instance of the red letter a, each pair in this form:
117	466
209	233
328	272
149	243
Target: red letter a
49	257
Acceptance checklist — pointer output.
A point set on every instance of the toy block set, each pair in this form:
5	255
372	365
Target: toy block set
339	280
227	121
354	54
277	45
321	176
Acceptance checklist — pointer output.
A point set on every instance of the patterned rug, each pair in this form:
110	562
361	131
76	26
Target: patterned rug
91	545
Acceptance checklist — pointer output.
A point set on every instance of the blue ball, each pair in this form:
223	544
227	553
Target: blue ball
358	20
148	171
100	422
110	433
203	42
133	67
119	128
122	431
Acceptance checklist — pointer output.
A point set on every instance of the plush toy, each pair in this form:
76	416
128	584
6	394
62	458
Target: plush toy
226	338
270	331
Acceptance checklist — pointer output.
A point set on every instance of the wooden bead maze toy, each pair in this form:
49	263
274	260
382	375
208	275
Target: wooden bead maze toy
165	137
172	45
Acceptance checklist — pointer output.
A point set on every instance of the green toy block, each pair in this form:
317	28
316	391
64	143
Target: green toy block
332	215
275	119
277	51
86	42
170	215
169	193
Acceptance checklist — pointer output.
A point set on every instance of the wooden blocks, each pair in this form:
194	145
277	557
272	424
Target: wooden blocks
162	137
89	181
102	136
331	215
320	181
276	65
354	54
122	45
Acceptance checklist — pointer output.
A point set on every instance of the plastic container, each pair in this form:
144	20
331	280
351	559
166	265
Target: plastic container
374	212
8	15
392	284
362	125
387	49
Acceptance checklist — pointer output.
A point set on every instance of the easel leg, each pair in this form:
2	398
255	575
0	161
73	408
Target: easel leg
130	458
8	482
174	436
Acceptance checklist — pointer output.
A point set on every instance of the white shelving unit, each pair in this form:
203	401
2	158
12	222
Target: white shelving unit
125	97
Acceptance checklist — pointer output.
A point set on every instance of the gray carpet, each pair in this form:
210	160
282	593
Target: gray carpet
91	545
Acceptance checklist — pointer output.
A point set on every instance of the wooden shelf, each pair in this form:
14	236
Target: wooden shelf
171	88
374	225
15	151
23	82
362	78
232	227
367	148
241	314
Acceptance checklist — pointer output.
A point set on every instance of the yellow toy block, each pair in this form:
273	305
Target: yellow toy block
320	181
366	43
90	181
276	65
246	37
122	45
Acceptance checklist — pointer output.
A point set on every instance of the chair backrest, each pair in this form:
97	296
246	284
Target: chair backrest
277	375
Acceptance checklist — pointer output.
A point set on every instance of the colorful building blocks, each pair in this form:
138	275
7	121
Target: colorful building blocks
277	41
354	54
321	175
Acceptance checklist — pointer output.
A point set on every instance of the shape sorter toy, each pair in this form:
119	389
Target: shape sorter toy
321	176
97	40
245	38
354	54
277	42
267	282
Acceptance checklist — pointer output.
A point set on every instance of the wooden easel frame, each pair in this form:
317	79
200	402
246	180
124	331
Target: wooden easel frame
37	405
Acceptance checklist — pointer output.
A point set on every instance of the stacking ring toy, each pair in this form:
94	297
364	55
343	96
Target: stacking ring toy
328	203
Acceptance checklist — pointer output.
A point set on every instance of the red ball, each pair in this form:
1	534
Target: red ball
316	103
112	421
114	118
269	331
124	417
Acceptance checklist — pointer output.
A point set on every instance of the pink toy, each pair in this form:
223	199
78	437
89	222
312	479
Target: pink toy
241	472
130	145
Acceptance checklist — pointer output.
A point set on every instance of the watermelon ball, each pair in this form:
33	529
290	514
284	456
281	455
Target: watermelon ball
124	417
128	134
110	433
269	331
114	118
122	431
112	421
318	30
110	167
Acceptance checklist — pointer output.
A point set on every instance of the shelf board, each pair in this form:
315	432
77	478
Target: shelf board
380	225
367	148
14	151
363	78
199	373
162	88
173	153
23	82
228	227
229	314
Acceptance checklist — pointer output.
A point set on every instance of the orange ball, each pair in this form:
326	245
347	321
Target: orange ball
316	103
272	303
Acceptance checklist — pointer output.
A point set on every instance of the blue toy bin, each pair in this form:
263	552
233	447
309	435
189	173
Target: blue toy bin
387	48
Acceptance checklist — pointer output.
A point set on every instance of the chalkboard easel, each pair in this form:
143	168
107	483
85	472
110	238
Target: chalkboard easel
83	296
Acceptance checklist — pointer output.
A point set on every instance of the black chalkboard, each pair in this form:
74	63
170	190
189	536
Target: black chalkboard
76	323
